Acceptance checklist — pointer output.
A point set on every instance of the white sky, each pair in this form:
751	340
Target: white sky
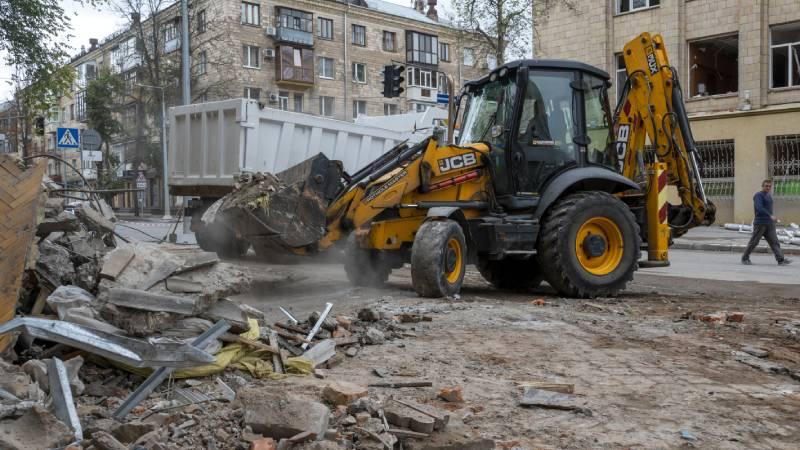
88	22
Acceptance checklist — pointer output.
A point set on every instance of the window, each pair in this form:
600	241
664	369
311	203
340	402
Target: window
283	100
359	108
324	28
80	106
169	31
442	83
252	93
785	55
202	63
783	153
390	109
129	79
298	102
201	21
294	19
469	57
326	68
389	41
717	167
420	107
250	56
52	115
714	66
624	6
359	73
622	75
251	14
359	35
421	78
444	52
422	48
326	106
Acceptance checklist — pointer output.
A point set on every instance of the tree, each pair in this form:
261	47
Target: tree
505	26
102	109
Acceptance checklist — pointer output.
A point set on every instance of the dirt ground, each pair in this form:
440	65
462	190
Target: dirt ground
644	368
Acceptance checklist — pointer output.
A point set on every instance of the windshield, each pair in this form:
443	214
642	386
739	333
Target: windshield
597	124
487	111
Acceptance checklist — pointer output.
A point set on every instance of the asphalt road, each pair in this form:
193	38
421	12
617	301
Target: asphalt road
726	266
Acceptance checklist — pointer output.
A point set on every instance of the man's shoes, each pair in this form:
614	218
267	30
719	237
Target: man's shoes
747	262
784	262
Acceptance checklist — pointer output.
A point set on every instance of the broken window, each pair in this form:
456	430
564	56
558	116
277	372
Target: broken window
714	66
717	167
783	154
785	52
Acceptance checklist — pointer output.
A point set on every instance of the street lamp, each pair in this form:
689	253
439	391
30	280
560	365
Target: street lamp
163	146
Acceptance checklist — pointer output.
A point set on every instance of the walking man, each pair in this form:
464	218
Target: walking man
764	225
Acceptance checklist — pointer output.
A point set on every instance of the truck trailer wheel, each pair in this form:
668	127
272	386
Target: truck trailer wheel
364	267
589	245
438	259
511	273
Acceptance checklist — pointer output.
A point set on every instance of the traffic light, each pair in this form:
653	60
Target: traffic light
392	80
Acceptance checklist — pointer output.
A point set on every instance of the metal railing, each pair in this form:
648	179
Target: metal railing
783	165
717	167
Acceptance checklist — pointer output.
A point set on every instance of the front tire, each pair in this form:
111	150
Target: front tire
511	273
589	245
438	259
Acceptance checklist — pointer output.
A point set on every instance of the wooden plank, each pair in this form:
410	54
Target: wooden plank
555	387
20	190
277	359
41	300
116	262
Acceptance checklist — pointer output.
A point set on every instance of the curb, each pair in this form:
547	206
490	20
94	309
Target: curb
729	248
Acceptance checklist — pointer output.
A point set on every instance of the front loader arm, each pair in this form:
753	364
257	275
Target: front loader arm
652	106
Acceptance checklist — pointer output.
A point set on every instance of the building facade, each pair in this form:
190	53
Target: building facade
739	66
322	57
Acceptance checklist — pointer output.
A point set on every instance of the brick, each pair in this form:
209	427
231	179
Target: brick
451	394
343	392
263	444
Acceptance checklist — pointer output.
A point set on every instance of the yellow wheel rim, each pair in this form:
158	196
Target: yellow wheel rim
599	246
453	260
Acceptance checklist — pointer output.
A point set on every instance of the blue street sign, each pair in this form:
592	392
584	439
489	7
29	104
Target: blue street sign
442	98
67	138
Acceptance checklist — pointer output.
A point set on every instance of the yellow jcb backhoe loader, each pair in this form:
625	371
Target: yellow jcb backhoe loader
543	182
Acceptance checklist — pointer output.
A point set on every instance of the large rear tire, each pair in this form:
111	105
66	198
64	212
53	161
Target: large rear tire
589	245
511	273
438	259
217	238
364	267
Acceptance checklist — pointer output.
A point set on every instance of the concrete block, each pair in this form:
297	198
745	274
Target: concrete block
279	415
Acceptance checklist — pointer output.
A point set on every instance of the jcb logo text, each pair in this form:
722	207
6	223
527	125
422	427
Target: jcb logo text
457	162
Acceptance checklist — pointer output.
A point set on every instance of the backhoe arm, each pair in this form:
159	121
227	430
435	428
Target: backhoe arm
652	107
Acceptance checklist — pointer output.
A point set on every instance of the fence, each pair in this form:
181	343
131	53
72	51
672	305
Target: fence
717	167
783	153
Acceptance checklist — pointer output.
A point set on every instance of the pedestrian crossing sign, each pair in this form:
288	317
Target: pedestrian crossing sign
67	138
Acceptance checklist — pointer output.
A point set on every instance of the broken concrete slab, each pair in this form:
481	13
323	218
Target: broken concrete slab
547	399
64	222
130	432
228	310
441	417
278	415
160	273
37	428
67	297
148	301
115	262
61	396
87	317
197	261
343	392
374	336
102	440
405	417
181	285
54	264
755	351
321	351
93	219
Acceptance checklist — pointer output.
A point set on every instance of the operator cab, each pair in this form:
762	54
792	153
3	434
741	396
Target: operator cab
540	118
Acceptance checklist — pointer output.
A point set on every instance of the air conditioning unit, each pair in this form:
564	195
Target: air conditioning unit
269	53
271	31
273	98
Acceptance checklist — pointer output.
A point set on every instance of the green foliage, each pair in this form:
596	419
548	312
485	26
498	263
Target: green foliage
100	105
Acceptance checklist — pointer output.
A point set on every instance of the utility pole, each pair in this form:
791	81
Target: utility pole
187	98
163	146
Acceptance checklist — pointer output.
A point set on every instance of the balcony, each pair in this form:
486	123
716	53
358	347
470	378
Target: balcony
294	36
295	66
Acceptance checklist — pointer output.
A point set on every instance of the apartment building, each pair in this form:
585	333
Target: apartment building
739	65
322	57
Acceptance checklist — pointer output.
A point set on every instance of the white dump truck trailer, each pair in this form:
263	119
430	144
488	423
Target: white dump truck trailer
211	144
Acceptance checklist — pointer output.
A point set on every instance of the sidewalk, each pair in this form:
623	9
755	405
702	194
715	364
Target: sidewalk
718	239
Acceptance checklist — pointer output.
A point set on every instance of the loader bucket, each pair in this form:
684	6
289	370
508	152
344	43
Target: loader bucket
276	213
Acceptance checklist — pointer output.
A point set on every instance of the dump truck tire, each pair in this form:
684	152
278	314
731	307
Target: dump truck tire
589	245
364	267
216	238
511	273
438	259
